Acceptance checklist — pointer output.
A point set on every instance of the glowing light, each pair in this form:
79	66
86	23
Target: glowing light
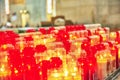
90	64
40	72
22	64
56	75
75	68
36	36
104	37
105	55
21	11
4	46
16	71
101	32
25	11
82	64
44	41
113	35
76	43
6	58
2	69
66	73
29	67
73	74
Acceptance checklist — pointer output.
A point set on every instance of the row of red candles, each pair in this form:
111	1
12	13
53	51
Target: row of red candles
26	65
23	63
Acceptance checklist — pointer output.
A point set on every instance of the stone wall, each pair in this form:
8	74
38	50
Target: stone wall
80	11
90	11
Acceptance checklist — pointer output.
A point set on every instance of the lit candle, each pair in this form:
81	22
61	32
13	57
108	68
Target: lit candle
40	53
83	67
30	67
15	64
45	66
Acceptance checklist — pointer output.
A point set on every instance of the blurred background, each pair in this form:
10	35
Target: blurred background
23	13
